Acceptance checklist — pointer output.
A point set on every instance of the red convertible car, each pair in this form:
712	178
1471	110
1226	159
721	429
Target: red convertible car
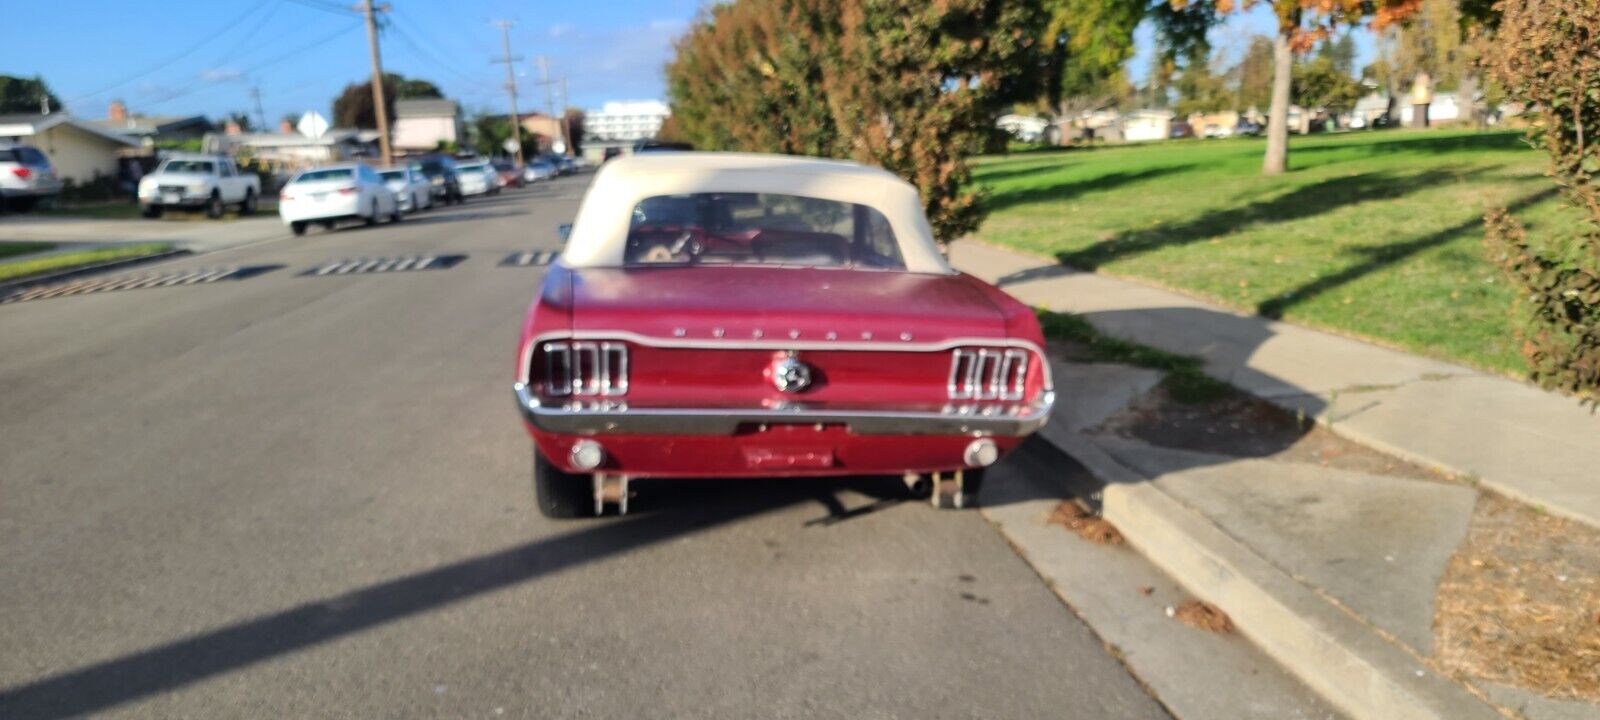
767	316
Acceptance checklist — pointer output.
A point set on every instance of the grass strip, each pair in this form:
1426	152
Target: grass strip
1185	378
65	261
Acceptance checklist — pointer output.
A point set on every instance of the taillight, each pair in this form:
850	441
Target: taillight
21	172
988	374
349	190
284	197
583	368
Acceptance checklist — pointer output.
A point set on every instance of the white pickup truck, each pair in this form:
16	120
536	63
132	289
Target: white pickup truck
209	182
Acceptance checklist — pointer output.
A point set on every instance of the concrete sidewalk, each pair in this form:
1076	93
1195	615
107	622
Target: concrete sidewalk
1534	446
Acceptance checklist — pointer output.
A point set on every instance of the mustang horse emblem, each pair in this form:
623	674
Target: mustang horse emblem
791	375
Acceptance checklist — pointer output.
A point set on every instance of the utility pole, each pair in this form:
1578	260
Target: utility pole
566	130
511	83
544	79
261	117
380	107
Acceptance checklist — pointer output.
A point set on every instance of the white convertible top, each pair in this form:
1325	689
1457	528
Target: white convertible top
600	233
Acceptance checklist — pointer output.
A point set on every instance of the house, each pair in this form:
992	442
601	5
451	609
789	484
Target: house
288	150
1023	127
151	129
1214	123
627	120
79	150
421	124
544	128
1142	125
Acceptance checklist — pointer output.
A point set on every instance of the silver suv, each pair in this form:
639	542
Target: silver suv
25	176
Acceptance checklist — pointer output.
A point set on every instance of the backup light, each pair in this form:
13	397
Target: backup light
587	455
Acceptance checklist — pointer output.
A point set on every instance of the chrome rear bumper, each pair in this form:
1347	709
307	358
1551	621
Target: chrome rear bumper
595	419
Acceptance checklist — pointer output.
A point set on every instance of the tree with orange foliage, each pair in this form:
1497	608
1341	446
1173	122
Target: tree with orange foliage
1301	24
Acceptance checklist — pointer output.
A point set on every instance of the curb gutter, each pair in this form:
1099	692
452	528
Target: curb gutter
1331	651
69	273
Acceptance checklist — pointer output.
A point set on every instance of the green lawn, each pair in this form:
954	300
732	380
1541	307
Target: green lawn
8	249
1375	234
62	261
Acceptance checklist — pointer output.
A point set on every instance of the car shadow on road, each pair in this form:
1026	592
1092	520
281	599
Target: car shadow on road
666	510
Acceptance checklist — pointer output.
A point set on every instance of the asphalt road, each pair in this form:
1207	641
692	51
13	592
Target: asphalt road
309	496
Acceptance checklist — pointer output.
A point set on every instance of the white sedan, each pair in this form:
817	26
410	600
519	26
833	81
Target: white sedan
477	178
327	195
411	188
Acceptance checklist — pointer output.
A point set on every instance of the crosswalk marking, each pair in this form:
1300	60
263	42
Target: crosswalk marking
363	266
529	259
133	282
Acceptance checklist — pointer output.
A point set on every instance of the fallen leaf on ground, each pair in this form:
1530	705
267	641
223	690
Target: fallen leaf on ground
1096	530
1204	616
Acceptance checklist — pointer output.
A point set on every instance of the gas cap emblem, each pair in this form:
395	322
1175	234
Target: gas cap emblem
791	375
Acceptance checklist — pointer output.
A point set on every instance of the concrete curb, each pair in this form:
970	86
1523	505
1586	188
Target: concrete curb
7	287
1341	658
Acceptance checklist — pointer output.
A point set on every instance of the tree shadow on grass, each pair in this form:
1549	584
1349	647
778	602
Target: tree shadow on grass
1003	199
1303	202
1381	256
1425	143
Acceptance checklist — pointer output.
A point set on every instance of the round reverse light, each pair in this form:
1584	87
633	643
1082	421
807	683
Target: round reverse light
981	453
587	454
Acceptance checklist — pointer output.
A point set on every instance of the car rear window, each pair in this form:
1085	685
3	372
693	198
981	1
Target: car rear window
760	229
197	167
393	175
470	167
9	155
321	175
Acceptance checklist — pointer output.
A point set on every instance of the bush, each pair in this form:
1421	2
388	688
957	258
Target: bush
101	188
1545	57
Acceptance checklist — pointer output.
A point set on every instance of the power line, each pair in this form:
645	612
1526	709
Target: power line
330	7
209	37
271	61
416	46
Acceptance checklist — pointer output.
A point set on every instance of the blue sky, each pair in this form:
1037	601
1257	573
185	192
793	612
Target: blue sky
204	57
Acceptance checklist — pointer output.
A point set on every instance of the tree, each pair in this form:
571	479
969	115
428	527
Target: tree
574	120
26	95
242	119
1319	83
915	87
910	86
1545	57
1301	23
1253	74
354	107
1085	45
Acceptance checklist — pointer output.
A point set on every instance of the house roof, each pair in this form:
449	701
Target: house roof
141	125
35	123
333	136
426	107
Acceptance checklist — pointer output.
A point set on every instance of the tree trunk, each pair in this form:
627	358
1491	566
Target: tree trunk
1466	103
1277	159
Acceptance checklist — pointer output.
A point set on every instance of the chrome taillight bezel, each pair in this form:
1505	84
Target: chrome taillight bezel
987	374
585	368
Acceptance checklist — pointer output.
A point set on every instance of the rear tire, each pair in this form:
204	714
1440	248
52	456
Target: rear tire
971	483
248	207
297	227
214	208
152	211
372	214
561	495
394	213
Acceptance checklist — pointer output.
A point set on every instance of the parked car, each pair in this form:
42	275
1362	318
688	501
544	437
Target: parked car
1179	129
477	178
719	315
328	195
441	173
410	187
507	174
538	170
610	153
26	177
196	182
1246	128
